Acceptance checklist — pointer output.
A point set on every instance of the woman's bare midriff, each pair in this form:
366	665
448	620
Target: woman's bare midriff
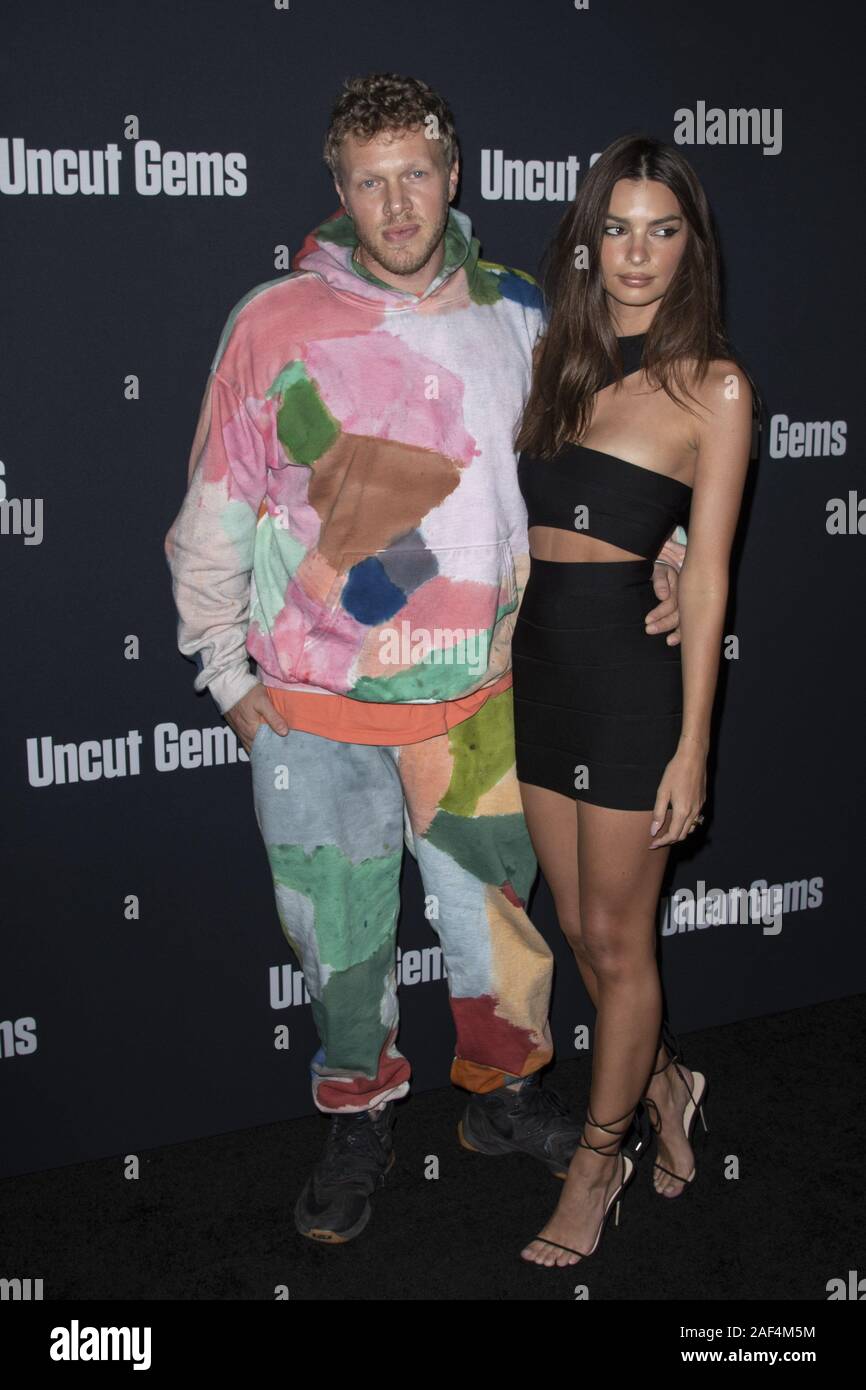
549	543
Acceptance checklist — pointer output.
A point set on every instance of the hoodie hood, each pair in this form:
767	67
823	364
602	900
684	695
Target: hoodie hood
328	252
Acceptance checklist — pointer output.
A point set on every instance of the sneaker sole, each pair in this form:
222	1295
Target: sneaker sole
497	1152
323	1236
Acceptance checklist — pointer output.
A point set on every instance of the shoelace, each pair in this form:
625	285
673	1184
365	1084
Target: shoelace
541	1104
350	1139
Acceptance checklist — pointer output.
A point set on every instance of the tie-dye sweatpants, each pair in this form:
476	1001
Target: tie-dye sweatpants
334	817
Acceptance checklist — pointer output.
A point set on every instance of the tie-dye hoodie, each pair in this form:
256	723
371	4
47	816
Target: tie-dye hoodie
353	520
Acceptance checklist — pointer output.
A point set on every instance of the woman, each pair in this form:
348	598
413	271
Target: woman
611	722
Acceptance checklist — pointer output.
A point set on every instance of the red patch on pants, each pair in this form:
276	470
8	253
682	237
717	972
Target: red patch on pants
489	1047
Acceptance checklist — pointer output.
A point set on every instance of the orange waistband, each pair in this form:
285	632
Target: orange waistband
357	721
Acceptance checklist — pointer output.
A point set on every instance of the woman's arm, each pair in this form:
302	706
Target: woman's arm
724	444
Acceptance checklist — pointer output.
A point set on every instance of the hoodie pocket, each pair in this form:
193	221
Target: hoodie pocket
475	585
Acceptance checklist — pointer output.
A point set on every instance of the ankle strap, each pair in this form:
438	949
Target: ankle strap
656	1120
669	1040
658	1070
620	1134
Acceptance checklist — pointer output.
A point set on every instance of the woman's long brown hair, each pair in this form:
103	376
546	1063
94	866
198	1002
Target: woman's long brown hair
579	349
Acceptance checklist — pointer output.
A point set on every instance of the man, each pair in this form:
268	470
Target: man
353	522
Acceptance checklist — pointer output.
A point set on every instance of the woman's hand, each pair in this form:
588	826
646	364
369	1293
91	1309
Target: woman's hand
684	788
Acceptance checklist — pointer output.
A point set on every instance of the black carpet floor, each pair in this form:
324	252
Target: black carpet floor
212	1219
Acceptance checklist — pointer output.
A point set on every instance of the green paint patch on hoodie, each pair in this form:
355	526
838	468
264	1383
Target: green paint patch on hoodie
305	426
433	677
426	681
238	521
485	287
277	556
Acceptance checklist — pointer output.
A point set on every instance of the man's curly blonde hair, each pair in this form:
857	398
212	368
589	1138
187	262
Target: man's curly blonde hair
382	101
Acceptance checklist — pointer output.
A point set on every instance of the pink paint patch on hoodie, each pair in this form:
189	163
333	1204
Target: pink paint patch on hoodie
246	454
379	386
440	605
451	603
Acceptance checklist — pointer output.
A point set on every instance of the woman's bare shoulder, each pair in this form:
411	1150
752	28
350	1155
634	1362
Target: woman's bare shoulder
723	382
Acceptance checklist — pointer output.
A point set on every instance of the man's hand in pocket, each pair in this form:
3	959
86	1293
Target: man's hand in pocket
252	711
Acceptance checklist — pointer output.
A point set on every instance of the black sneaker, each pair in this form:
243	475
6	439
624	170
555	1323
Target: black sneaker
334	1205
533	1120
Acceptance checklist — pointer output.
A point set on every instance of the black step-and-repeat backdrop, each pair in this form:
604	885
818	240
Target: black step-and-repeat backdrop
156	162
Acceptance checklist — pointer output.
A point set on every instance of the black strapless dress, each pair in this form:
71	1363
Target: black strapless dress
597	699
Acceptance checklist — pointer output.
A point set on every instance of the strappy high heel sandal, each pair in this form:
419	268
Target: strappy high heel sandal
694	1106
628	1167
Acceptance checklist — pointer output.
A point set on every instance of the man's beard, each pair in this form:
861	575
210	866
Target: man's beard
407	260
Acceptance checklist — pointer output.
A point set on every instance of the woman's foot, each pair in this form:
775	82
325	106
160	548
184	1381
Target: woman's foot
671	1093
591	1180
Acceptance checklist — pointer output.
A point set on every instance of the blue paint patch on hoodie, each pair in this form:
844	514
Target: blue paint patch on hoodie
368	594
521	289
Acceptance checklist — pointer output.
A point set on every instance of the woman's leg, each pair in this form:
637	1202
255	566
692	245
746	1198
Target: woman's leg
553	826
619	881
